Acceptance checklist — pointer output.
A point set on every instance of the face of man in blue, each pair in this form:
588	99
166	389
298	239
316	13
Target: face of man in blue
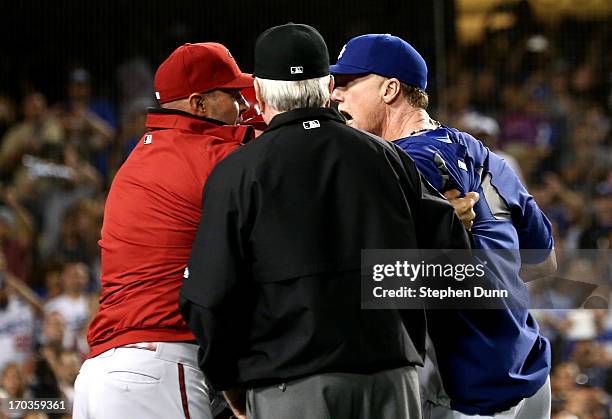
369	75
360	100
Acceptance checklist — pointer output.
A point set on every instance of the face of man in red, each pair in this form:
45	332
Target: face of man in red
224	105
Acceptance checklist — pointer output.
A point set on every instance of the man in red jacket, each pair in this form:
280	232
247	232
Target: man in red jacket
143	360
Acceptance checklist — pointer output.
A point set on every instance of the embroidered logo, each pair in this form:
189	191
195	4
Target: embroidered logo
311	124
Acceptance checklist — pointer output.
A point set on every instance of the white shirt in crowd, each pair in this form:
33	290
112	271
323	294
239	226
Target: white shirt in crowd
75	312
16	332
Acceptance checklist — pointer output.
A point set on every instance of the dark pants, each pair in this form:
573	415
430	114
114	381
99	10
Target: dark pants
390	394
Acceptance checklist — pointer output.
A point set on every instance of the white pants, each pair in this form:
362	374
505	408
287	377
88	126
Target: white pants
138	383
534	407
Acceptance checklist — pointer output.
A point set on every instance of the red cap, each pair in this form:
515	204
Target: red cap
198	68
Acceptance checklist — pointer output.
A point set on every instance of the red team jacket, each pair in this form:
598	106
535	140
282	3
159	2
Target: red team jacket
150	221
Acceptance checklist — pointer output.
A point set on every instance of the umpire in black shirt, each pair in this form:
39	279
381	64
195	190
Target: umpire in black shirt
272	290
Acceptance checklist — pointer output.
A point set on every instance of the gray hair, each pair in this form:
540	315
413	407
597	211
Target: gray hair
287	95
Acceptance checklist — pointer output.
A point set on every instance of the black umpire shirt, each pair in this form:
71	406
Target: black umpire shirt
272	290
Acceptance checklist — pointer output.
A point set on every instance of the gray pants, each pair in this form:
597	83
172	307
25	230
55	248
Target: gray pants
390	394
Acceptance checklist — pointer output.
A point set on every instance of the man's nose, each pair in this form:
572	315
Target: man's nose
337	96
243	106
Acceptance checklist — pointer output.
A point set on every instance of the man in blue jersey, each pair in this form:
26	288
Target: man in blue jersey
492	363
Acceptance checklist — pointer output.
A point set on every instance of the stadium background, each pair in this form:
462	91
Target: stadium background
531	78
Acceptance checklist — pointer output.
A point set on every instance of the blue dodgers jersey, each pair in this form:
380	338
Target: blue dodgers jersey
488	360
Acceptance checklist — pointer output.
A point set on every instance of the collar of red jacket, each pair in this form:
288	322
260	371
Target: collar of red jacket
159	118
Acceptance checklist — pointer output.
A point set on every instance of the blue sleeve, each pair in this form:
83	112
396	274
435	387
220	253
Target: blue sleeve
425	156
533	228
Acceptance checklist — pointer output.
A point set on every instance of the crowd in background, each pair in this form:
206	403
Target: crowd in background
538	94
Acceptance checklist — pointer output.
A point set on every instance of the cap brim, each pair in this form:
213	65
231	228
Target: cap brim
240	82
347	69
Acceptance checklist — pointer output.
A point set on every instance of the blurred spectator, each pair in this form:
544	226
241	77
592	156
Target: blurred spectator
81	94
559	103
13	382
69	365
52	339
73	304
89	123
16	234
135	85
44	382
563	206
132	130
563	379
584	166
597	231
589	356
563	382
486	97
51	188
7	114
525	132
486	129
588	403
70	241
79	233
52	279
16	324
38	129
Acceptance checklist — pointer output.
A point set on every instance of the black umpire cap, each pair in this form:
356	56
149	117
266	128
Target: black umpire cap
291	52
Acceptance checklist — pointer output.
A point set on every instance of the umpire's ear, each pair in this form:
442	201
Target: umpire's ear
332	84
391	89
262	104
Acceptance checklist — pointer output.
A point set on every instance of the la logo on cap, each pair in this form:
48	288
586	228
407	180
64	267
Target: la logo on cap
342	51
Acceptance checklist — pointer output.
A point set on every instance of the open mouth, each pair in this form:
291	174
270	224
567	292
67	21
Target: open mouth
347	116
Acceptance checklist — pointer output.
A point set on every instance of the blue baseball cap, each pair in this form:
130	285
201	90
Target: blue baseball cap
385	55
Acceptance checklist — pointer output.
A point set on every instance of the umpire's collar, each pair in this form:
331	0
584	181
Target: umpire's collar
304	114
